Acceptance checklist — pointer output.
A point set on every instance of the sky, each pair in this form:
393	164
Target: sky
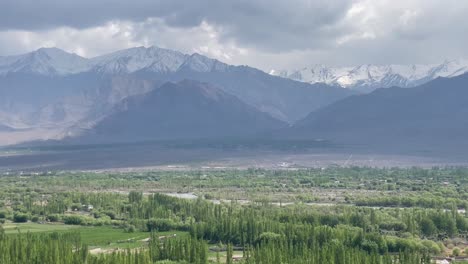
267	34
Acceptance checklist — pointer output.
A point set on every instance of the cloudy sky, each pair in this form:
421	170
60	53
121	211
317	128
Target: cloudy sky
280	34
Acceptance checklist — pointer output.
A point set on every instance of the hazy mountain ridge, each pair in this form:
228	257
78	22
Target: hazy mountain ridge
34	101
45	61
4	128
138	58
430	115
48	91
121	97
183	110
56	62
368	77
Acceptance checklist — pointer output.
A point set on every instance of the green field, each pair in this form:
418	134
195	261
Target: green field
15	228
102	237
108	237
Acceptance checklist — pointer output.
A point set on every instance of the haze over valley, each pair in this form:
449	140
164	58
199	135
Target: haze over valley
52	97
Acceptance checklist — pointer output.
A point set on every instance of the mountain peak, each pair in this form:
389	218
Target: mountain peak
431	115
50	50
184	110
368	77
134	59
200	63
54	61
46	61
54	53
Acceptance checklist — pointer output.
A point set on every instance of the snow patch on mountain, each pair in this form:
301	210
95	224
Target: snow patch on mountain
45	61
53	61
200	63
135	59
368	77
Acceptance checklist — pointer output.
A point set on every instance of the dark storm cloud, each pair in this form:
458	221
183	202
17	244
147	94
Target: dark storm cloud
269	24
261	33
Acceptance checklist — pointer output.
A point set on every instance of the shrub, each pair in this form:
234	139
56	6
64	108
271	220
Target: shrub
441	246
111	214
268	237
35	219
73	220
394	225
98	215
2	214
20	218
209	196
130	229
431	246
53	218
160	224
104	220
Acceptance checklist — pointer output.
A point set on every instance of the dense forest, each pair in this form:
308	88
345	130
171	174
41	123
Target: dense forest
334	215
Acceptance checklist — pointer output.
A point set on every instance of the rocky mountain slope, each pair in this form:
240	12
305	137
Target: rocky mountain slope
183	110
50	87
432	115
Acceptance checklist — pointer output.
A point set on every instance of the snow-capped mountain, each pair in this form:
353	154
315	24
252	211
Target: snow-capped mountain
154	59
369	77
44	61
200	63
53	62
425	118
135	59
50	87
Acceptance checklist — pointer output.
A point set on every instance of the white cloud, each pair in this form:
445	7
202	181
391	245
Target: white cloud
86	42
117	35
265	34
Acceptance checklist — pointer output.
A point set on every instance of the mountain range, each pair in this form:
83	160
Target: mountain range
430	116
366	78
143	94
53	89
